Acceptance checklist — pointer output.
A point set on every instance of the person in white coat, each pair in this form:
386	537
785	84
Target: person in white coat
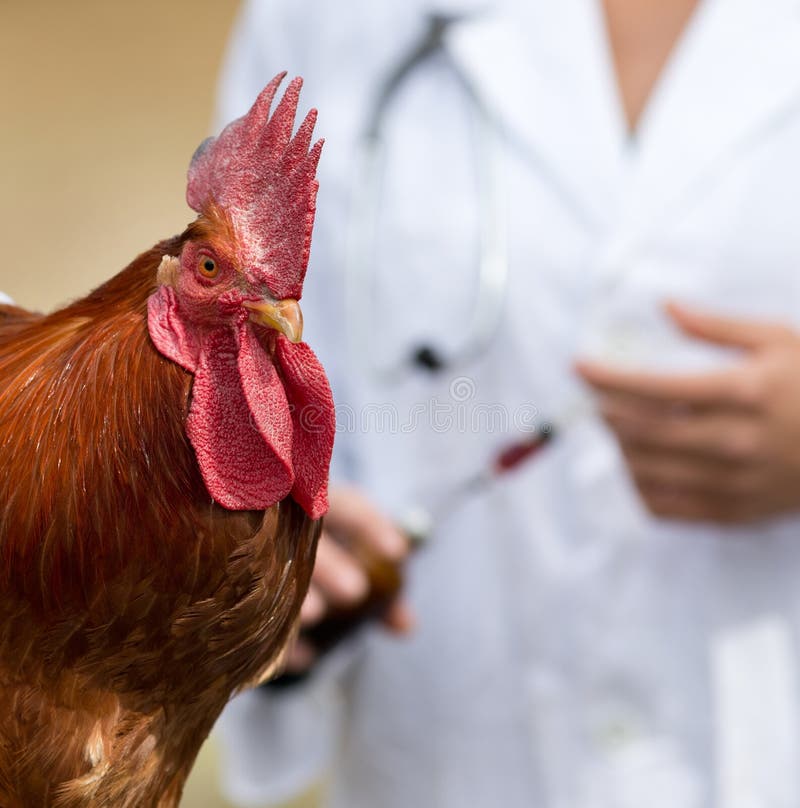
617	622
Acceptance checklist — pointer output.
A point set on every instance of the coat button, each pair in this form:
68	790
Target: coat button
615	724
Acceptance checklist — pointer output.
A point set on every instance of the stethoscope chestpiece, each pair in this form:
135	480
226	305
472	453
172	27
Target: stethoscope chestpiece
425	357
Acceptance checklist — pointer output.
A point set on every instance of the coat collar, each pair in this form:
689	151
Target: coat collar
546	74
736	72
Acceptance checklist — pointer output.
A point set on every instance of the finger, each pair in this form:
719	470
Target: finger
730	387
351	513
300	657
313	608
668	469
734	332
714	434
399	617
691	507
337	576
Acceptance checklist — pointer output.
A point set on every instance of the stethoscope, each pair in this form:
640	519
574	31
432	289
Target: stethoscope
363	265
482	325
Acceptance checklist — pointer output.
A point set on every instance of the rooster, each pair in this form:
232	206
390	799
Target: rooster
165	445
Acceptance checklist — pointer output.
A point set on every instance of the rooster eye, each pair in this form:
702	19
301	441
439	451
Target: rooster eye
207	267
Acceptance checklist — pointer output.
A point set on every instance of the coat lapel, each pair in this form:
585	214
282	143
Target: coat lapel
736	71
541	70
545	73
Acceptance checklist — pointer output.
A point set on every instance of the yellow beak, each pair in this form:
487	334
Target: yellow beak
282	315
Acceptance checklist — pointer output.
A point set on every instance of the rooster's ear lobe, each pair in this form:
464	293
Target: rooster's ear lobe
168	269
168	330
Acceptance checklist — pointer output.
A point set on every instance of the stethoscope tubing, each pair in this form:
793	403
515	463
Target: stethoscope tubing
362	265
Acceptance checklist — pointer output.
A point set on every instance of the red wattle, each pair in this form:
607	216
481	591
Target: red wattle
269	411
314	421
241	468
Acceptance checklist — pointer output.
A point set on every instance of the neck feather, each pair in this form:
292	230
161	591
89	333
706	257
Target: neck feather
92	422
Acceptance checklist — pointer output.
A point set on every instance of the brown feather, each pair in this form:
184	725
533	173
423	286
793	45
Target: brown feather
131	606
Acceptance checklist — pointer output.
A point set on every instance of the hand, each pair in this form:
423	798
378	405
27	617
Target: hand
339	579
721	446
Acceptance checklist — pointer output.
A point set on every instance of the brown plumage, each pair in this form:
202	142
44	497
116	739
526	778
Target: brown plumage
132	605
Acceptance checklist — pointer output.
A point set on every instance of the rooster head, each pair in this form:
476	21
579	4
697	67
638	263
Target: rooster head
261	416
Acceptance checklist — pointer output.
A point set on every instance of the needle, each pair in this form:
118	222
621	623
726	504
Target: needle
418	522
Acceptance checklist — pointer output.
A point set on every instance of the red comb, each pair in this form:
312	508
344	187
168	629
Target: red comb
263	178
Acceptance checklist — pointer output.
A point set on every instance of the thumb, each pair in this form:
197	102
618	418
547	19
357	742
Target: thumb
731	331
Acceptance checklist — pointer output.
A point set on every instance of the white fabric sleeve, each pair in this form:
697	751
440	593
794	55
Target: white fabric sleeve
275	744
4	298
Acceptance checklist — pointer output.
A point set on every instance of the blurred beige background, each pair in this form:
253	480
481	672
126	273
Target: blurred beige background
103	104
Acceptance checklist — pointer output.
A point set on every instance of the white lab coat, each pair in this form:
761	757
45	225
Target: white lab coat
572	651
